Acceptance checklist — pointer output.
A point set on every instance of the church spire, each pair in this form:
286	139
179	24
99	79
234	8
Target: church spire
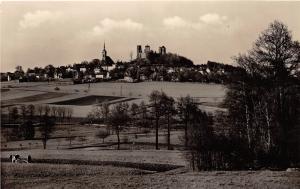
104	53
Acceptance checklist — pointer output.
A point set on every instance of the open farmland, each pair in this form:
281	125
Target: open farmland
87	100
209	96
32	98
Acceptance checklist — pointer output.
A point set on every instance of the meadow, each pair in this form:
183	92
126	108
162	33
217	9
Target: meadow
85	176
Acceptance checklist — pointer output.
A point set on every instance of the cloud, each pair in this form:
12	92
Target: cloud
204	20
212	18
108	24
35	19
175	21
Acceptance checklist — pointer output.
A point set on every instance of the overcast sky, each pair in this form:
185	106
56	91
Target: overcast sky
62	33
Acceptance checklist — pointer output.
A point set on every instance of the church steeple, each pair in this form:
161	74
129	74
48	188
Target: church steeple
104	53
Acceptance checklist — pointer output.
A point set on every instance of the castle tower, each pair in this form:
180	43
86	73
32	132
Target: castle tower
162	50
147	49
139	52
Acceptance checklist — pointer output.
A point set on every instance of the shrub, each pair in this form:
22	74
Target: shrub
125	139
102	134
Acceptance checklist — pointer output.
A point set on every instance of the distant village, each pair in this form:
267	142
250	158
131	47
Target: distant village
148	65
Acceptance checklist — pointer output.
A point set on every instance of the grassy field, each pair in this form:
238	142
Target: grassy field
84	176
142	89
33	98
85	136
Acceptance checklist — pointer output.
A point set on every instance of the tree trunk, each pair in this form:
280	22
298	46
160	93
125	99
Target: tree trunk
156	134
283	126
118	135
70	141
186	134
248	127
70	137
44	144
193	161
169	139
268	129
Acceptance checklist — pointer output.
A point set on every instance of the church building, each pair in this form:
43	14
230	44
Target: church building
106	62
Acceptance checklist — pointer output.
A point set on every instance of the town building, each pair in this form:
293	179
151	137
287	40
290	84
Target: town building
82	69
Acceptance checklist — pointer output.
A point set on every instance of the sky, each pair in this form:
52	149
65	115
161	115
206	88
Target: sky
62	33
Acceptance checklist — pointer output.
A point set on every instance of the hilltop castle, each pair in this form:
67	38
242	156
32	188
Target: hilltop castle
143	55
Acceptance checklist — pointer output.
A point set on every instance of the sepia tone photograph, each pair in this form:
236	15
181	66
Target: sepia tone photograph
150	94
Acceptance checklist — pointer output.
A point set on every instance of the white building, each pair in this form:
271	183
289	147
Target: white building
97	70
83	70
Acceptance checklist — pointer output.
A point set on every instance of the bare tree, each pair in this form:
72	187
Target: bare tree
185	106
155	100
104	113
143	116
23	112
69	114
26	129
99	113
263	99
46	126
134	110
31	111
61	112
200	141
40	110
91	117
54	112
168	109
119	118
102	134
13	114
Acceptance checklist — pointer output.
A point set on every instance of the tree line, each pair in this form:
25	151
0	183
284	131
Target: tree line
261	128
24	119
264	101
163	111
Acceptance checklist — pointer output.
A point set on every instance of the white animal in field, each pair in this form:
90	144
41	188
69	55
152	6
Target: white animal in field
18	159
